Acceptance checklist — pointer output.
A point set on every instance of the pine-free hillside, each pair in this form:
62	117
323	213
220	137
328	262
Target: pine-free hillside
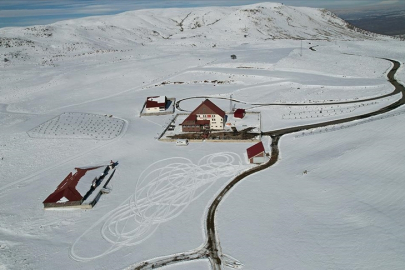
208	27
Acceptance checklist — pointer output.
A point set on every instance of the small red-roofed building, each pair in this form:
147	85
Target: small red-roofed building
207	116
256	153
239	113
155	104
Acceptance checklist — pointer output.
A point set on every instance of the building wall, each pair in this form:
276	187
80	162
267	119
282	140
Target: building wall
65	204
258	155
216	121
153	109
193	128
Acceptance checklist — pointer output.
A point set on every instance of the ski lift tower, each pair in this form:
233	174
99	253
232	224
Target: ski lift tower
230	103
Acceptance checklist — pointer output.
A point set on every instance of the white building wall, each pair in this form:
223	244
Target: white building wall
153	109
216	121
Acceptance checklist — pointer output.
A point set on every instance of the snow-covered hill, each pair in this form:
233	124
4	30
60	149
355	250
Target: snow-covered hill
207	27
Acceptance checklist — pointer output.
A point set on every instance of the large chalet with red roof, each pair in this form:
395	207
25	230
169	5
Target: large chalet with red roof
207	116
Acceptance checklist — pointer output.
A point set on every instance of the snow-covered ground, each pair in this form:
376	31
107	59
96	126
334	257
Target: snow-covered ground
346	212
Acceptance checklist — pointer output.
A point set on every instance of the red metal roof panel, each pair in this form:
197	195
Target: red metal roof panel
67	188
255	150
158	101
239	113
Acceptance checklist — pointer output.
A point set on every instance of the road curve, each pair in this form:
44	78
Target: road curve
399	88
212	249
213	245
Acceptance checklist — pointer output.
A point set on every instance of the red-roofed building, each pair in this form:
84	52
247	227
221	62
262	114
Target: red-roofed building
66	193
206	116
256	153
239	113
156	104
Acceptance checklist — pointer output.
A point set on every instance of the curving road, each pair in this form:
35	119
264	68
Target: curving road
398	89
212	249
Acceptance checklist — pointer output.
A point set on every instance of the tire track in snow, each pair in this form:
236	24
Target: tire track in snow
163	191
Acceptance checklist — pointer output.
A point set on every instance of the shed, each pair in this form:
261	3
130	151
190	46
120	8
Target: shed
182	142
256	153
239	113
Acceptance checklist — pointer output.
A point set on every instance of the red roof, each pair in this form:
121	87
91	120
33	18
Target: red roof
207	107
239	113
157	101
67	188
190	120
255	150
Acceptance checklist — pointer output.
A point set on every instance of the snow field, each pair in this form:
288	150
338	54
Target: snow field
74	125
162	193
356	66
344	213
319	111
10	119
332	128
278	117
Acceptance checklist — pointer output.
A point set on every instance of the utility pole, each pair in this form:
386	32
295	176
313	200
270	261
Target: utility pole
230	103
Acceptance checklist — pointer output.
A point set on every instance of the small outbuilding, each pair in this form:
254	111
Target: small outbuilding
182	142
155	104
239	113
256	153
